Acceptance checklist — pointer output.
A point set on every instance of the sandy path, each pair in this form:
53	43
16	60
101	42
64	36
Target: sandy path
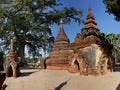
107	82
34	79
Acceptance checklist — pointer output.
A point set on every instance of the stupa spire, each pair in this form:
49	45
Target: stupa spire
61	35
11	52
90	20
90	27
11	46
58	58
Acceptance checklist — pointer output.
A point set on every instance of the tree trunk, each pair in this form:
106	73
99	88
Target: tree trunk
21	54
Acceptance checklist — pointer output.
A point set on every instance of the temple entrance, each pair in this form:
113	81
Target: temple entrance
10	72
74	66
11	69
76	63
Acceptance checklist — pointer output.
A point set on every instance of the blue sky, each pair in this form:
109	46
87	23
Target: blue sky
105	22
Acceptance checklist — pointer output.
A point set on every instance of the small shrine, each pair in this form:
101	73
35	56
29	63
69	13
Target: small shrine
58	58
11	65
90	53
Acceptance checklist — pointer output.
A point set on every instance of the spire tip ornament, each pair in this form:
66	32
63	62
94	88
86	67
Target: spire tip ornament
61	23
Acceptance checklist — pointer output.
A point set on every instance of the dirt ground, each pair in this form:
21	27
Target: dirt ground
36	79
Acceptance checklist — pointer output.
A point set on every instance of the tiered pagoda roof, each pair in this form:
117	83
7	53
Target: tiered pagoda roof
90	20
90	27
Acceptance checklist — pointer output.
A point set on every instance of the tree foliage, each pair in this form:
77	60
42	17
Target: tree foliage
113	7
29	21
31	60
114	39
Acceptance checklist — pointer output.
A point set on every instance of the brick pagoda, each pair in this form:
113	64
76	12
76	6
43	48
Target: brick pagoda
58	58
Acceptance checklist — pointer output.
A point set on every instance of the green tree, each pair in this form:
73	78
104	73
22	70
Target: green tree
29	21
113	7
114	39
31	60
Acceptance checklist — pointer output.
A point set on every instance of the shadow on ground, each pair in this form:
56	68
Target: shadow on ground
27	73
118	87
116	69
61	85
28	67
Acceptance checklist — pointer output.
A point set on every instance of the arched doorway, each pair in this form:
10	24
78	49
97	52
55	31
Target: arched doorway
76	63
10	72
11	68
74	66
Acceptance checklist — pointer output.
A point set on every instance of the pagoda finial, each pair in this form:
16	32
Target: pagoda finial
89	10
62	35
90	15
61	23
11	46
